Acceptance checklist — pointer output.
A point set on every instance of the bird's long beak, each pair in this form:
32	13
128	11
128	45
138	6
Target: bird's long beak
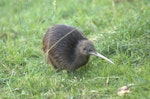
101	56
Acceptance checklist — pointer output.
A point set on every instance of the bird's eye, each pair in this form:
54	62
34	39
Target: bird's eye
84	48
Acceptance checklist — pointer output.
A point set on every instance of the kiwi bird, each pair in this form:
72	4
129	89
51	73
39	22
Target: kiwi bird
67	49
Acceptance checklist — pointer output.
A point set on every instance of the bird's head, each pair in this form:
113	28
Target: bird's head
87	48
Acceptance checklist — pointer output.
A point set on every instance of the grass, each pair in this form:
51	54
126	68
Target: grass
119	30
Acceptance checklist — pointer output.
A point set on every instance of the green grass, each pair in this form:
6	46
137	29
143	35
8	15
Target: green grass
120	31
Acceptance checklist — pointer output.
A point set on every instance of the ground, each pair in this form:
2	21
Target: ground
119	29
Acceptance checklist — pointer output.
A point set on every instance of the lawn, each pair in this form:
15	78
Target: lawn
119	29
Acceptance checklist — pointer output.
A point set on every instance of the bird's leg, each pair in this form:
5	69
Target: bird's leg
58	70
71	72
73	69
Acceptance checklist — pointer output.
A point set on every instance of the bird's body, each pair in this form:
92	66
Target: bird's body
69	53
